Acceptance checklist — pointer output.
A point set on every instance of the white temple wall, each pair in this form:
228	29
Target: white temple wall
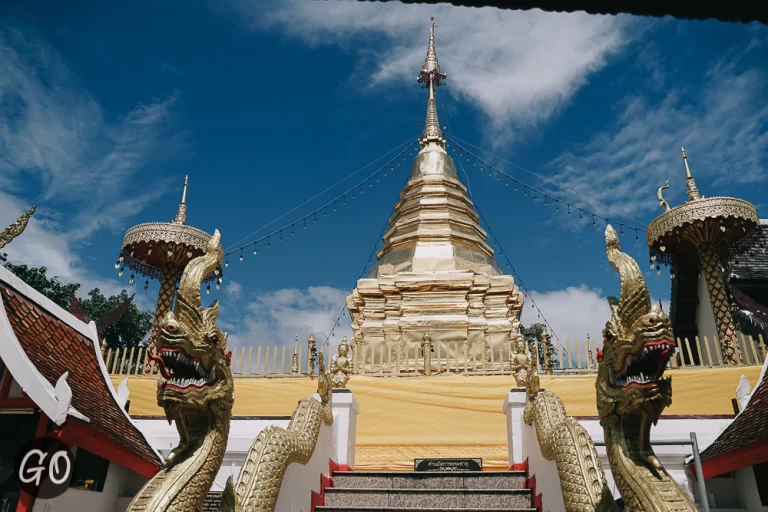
545	471
746	488
335	443
547	482
735	492
301	480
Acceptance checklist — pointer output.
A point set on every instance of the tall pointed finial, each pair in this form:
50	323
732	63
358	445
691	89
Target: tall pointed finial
693	191
685	161
181	214
431	76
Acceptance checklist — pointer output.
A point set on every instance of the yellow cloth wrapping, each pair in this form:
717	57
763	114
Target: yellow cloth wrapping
446	415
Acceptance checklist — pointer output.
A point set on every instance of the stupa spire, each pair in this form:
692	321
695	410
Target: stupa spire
431	76
181	214
690	183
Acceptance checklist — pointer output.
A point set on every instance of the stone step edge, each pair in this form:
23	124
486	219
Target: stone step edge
396	490
430	474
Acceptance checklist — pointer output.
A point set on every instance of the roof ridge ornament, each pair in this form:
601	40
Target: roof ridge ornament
15	229
431	76
662	202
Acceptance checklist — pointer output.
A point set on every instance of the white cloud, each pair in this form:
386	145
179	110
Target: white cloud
58	151
276	317
573	313
42	244
519	68
233	289
720	119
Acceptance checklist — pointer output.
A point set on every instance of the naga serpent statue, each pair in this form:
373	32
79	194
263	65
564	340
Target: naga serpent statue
275	448
562	439
632	392
196	392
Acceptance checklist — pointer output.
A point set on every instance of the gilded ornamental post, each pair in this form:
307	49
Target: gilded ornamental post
426	346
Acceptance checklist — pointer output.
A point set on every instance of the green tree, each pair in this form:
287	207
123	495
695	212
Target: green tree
129	331
37	278
132	327
532	335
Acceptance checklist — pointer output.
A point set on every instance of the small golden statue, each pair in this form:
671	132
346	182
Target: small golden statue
546	348
521	363
311	355
341	366
295	357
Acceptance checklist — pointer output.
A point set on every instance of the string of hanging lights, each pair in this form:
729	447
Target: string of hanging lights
515	274
369	261
537	193
656	259
397	148
323	210
507	263
463	153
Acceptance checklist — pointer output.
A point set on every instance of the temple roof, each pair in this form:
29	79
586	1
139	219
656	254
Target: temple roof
745	441
742	12
435	227
752	266
59	357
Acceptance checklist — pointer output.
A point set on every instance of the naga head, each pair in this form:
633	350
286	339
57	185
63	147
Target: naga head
192	351
637	345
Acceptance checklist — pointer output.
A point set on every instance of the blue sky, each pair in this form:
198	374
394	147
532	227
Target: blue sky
103	110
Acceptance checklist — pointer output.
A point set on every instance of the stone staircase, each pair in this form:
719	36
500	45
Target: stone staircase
471	491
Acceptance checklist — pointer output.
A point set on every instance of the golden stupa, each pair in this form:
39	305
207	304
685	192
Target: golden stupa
435	273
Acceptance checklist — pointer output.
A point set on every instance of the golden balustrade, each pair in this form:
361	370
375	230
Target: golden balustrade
395	360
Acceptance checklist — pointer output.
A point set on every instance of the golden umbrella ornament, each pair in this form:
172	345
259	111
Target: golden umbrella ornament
717	228
161	250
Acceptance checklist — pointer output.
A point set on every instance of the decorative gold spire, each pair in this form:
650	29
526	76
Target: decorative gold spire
431	76
16	228
181	214
693	192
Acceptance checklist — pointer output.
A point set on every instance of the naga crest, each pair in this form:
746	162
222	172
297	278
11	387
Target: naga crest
192	351
637	345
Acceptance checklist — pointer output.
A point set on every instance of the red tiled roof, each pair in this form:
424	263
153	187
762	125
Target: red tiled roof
54	348
749	427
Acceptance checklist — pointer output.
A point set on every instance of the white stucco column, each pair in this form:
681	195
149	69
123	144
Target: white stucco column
345	411
513	410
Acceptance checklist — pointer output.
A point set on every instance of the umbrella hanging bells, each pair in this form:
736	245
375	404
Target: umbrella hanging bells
161	251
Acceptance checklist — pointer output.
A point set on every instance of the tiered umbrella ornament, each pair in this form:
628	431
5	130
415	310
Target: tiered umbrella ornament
717	228
161	250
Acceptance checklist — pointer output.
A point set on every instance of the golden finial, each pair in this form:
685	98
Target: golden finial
431	76
693	191
16	228
181	214
685	160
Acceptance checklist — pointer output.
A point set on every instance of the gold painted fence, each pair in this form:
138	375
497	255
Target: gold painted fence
570	357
